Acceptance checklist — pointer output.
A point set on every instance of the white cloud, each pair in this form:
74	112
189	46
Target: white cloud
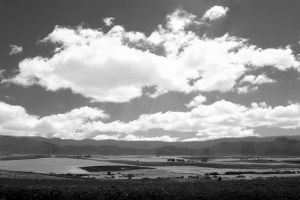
132	137
198	100
281	58
165	138
219	119
179	20
108	21
116	66
243	89
252	83
76	124
14	120
215	13
14	49
107	137
246	89
257	80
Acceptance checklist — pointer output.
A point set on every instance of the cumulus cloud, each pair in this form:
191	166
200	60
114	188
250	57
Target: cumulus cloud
132	137
257	80
219	119
198	100
74	124
165	138
79	123
117	65
246	89
249	83
107	137
14	49
179	20
15	120
215	13
108	21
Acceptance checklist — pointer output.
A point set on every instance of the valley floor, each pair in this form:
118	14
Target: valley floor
145	167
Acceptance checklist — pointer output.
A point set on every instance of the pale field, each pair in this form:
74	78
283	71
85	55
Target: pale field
50	165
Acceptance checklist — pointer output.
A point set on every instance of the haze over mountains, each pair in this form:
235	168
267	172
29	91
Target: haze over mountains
249	146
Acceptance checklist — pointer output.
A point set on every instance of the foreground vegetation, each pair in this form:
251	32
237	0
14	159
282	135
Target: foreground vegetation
272	188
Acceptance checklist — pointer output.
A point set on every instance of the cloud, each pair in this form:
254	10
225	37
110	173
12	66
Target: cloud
280	58
14	120
215	13
179	20
257	80
76	124
198	100
108	21
132	137
249	83
14	49
116	66
107	137
165	138
246	89
219	119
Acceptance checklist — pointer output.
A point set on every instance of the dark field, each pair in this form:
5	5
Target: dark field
209	165
112	168
272	188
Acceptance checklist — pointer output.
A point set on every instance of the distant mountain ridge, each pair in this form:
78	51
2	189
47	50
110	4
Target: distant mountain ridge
249	146
154	144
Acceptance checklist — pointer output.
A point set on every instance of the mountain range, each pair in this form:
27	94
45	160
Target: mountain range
248	146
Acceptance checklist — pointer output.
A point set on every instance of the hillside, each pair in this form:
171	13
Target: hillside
280	146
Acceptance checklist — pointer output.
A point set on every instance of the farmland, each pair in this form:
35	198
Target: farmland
152	167
148	177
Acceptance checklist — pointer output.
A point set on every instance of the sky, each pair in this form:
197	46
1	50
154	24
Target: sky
167	70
